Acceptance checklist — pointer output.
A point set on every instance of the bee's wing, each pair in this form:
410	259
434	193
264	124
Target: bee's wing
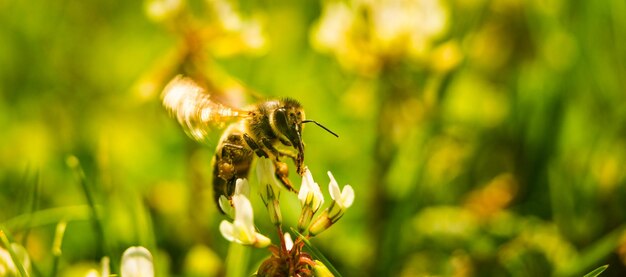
194	109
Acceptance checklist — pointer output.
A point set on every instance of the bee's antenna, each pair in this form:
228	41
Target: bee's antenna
316	123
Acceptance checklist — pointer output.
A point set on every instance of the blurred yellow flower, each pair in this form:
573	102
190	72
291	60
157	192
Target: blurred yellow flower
364	34
161	10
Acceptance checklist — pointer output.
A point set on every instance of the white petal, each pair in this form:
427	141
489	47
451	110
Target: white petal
307	179
265	171
242	187
347	196
228	230
106	269
288	241
319	197
225	206
333	188
244	234
137	262
308	175
261	240
244	215
6	263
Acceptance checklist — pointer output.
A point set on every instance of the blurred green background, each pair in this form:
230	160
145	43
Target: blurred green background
482	138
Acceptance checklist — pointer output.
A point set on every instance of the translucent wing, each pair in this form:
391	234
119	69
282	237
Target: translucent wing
194	109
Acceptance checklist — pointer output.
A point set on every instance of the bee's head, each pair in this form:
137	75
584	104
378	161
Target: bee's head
287	122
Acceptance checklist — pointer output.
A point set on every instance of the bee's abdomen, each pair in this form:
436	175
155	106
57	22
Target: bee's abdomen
232	160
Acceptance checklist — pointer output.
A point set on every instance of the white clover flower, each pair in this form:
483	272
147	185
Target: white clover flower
137	262
341	201
242	187
310	193
311	198
343	198
241	230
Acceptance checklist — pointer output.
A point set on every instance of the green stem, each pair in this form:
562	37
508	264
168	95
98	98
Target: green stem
237	260
74	163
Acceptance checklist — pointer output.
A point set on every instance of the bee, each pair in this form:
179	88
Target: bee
270	129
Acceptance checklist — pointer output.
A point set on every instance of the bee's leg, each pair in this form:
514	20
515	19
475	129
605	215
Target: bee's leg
225	166
285	142
254	146
223	179
268	145
296	158
287	153
282	172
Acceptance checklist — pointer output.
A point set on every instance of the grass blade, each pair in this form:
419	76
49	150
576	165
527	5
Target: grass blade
597	271
49	217
74	163
34	205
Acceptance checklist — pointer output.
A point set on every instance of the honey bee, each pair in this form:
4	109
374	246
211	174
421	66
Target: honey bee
270	129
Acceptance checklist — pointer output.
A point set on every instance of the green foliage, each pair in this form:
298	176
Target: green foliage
493	143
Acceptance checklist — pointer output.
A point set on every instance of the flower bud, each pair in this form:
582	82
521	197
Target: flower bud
321	270
269	189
